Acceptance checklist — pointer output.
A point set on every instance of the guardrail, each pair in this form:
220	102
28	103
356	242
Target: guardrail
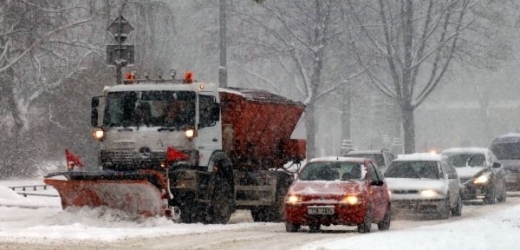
33	188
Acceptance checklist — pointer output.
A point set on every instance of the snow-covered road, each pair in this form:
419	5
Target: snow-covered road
51	228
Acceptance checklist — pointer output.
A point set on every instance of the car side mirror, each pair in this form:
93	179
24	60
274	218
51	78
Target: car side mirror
497	165
377	183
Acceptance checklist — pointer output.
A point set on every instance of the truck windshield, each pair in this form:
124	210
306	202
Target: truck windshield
150	108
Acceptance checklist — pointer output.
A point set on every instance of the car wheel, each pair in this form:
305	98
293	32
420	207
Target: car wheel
444	213
503	194
314	227
490	197
457	211
385	224
367	223
289	227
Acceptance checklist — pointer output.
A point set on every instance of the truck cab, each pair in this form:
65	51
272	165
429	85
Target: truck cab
140	121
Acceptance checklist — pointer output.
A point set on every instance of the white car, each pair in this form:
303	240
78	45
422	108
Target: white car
382	157
424	183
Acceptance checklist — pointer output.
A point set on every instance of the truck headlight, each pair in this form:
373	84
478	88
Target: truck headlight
484	178
190	132
98	134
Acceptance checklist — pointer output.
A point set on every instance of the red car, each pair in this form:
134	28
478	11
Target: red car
338	191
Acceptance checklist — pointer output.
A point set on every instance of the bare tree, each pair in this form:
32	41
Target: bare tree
409	46
299	34
52	59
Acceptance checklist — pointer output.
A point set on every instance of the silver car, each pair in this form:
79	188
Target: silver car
424	184
481	174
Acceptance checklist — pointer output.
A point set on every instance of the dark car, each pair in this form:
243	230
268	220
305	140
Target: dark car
338	191
481	175
507	149
382	157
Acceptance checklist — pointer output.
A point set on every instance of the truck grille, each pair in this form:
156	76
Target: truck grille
115	160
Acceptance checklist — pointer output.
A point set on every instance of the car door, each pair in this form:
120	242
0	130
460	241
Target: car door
389	157
453	180
378	192
500	173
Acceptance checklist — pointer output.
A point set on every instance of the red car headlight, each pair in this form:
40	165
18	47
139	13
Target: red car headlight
352	200
293	199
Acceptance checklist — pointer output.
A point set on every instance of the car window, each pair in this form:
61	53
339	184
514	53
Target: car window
329	171
413	169
492	157
476	160
378	158
380	175
373	173
449	170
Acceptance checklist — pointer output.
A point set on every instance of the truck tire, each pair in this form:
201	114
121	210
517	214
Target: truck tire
221	206
276	212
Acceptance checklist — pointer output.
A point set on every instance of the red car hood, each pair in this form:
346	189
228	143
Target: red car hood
326	188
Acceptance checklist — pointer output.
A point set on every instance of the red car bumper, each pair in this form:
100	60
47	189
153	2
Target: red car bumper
344	214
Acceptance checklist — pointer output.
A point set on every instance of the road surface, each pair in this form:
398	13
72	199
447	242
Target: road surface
265	236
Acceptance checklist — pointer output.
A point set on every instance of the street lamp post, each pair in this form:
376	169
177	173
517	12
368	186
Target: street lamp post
120	55
222	71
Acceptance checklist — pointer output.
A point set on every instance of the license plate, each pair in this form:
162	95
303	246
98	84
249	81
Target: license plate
320	210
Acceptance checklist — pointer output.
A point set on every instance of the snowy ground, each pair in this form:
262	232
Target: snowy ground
21	222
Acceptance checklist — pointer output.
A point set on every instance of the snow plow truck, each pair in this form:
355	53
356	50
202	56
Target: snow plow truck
225	149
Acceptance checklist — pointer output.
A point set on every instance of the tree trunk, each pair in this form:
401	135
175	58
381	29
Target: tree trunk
409	128
310	128
346	144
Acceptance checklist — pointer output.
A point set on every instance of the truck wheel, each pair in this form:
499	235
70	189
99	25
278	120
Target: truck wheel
277	211
260	214
221	206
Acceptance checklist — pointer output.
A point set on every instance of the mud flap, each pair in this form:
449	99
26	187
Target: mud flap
136	195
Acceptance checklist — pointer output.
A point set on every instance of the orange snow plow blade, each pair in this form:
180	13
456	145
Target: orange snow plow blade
134	195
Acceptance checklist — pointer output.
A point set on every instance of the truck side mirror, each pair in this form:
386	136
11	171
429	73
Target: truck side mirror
94	104
94	117
497	165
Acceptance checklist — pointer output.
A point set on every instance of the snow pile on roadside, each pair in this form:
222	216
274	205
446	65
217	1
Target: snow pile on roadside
495	231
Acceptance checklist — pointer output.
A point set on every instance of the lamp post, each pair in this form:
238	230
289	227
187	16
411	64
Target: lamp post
222	71
120	55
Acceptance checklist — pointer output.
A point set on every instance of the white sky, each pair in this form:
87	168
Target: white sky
493	231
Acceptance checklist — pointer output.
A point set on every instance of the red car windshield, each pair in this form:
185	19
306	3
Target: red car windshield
329	171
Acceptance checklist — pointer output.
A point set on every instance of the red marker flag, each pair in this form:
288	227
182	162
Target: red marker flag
73	159
173	154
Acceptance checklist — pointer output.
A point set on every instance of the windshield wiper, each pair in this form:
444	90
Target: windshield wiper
125	129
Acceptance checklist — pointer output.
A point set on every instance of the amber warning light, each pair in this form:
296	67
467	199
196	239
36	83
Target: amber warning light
188	77
129	78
